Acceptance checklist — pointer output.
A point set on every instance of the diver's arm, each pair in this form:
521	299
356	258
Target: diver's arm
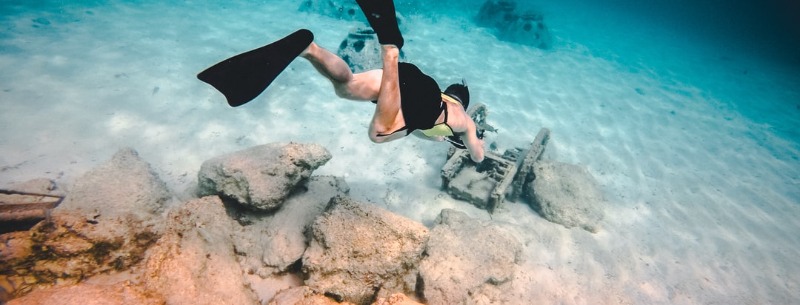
474	145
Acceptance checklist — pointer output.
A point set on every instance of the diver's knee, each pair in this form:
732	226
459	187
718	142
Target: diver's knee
342	91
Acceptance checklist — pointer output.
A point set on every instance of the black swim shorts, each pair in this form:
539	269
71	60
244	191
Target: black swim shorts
420	97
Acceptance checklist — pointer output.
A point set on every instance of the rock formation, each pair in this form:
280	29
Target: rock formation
105	224
359	252
304	295
220	250
567	194
271	243
90	294
465	257
261	177
194	262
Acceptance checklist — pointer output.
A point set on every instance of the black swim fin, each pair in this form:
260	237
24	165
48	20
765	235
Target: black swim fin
243	77
383	20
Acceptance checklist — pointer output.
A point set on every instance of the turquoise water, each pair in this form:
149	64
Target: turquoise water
686	113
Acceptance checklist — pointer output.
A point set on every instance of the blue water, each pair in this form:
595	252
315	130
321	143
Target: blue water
686	112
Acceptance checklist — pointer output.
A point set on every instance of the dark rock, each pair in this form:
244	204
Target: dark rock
495	14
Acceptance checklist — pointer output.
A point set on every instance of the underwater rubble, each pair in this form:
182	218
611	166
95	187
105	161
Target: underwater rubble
120	236
105	224
25	204
562	193
451	246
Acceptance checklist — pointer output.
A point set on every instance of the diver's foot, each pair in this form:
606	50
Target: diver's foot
382	18
309	51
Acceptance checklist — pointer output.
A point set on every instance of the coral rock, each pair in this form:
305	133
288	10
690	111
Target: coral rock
358	250
466	258
261	177
89	294
271	243
106	223
567	194
194	262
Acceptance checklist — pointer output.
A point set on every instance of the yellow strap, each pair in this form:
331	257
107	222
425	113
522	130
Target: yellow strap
449	99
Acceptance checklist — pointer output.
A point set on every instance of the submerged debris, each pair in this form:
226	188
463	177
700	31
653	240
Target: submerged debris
486	185
26	204
562	193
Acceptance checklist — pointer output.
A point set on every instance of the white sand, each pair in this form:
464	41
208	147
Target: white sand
700	165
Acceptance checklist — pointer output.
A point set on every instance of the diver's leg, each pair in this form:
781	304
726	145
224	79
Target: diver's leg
363	86
388	118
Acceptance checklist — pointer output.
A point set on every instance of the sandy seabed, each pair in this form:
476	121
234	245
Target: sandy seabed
703	187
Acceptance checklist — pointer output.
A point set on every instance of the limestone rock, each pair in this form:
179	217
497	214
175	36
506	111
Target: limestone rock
89	294
397	299
261	177
106	223
466	257
567	194
271	243
194	262
303	295
122	187
359	252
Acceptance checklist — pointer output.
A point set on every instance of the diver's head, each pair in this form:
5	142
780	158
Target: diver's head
459	92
